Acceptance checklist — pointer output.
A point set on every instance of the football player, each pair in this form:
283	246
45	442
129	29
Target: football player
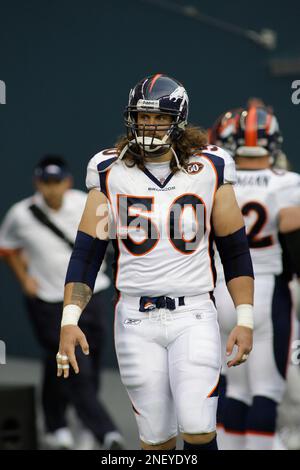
163	205
268	198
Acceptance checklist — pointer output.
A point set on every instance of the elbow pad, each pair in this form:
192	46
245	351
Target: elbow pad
86	259
235	255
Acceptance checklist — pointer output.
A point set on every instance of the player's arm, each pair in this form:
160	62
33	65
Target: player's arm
232	244
87	256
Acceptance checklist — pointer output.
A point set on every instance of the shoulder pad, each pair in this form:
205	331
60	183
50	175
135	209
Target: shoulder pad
105	159
98	165
279	171
222	162
287	177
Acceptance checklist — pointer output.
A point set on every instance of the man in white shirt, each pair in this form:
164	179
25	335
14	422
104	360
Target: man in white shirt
36	238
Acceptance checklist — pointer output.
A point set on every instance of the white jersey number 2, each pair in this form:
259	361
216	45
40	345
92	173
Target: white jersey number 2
255	239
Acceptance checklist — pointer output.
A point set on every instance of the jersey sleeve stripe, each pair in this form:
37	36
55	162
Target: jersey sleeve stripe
218	164
102	166
103	186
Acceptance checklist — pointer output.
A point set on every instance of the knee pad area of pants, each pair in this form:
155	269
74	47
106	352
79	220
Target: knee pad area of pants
198	418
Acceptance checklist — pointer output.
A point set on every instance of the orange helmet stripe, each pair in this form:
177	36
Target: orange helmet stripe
251	128
154	79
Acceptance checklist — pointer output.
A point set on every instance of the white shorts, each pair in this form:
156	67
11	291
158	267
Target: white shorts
170	364
264	372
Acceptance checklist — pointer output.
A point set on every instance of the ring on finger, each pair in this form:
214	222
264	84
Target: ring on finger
63	366
62	357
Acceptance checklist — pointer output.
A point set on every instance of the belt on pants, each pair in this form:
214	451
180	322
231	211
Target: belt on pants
148	303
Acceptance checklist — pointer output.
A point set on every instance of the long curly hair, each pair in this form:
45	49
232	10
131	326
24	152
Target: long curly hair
192	138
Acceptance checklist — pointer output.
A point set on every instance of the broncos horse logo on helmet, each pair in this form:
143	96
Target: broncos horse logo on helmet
157	94
250	132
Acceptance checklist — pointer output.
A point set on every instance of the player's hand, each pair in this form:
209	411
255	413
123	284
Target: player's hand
70	337
243	338
30	286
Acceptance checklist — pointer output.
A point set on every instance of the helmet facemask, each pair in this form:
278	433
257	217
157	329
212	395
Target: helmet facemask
151	140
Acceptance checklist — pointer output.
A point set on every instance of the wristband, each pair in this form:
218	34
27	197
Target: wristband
71	315
245	315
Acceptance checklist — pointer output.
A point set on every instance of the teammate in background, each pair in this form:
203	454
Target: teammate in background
278	158
166	205
267	198
26	230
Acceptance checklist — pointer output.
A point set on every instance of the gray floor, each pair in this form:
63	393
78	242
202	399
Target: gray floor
26	372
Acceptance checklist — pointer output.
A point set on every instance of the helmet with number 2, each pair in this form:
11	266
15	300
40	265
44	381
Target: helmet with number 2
157	94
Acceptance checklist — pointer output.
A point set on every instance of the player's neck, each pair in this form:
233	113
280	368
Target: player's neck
163	158
253	163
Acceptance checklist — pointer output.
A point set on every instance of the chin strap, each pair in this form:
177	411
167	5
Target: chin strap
123	152
177	162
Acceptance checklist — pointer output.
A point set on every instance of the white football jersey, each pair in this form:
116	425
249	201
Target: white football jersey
261	194
164	242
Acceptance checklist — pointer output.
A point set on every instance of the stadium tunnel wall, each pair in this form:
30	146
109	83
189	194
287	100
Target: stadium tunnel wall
68	67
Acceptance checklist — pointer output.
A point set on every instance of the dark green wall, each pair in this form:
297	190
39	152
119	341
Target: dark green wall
68	67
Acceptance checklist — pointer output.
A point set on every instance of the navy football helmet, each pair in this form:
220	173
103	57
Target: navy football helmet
250	132
224	131
157	94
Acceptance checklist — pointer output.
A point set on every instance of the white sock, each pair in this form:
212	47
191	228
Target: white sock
220	437
259	442
233	441
278	443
